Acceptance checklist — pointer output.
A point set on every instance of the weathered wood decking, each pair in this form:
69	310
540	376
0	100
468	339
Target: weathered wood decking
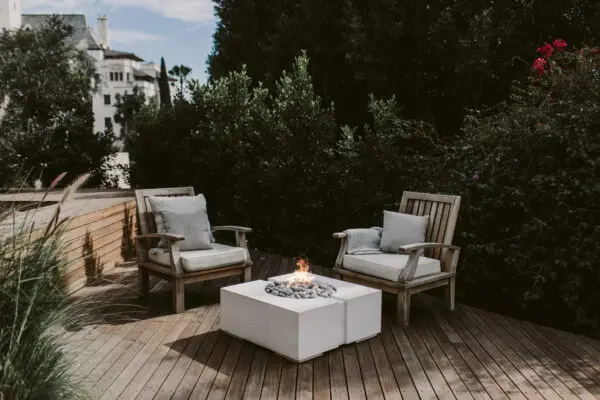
149	353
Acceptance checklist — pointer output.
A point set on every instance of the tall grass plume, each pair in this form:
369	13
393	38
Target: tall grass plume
35	306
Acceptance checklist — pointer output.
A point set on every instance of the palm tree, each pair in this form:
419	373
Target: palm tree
181	72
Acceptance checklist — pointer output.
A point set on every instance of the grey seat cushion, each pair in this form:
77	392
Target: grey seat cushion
187	216
197	260
400	229
389	266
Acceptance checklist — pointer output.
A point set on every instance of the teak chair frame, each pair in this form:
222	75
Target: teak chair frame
443	214
174	273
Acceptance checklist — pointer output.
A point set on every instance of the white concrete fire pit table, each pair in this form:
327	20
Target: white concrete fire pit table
301	328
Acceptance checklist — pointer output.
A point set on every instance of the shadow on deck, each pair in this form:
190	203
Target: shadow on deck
145	351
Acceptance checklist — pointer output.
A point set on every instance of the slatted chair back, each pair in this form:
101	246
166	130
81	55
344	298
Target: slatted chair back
443	214
145	216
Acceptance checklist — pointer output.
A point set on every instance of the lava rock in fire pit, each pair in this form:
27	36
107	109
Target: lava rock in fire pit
299	290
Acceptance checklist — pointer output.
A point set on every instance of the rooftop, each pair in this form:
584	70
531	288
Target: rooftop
114	54
81	31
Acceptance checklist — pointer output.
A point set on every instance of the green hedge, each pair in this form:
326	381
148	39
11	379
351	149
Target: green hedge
278	162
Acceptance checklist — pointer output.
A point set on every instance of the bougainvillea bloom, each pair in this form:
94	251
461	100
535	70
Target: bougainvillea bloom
559	44
539	65
546	50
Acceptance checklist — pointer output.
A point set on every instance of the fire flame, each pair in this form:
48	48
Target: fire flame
302	274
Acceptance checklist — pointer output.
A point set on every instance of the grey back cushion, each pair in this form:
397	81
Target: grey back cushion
400	229
192	225
176	209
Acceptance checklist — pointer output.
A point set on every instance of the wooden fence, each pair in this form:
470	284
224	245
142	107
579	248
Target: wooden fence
98	241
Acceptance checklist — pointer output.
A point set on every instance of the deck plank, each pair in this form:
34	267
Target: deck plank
515	375
543	388
172	356
337	376
240	374
257	374
151	353
223	379
270	387
304	388
398	367
356	388
322	385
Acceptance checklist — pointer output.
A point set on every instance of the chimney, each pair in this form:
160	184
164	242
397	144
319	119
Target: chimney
103	33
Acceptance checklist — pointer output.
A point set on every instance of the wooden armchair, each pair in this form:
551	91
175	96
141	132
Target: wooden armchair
419	266
181	267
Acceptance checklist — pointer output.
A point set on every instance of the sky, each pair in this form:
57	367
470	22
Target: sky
179	30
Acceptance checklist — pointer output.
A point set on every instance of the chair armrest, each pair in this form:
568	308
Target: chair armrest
168	236
448	259
343	236
142	245
240	233
418	246
232	228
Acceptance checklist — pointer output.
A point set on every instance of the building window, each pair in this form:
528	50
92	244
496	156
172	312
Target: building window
107	99
112	76
128	77
121	76
107	122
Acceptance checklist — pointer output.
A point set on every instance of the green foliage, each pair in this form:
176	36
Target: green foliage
34	309
529	219
48	123
437	57
279	162
127	107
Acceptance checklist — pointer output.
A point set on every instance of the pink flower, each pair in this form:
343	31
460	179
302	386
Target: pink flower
559	44
596	50
546	50
539	65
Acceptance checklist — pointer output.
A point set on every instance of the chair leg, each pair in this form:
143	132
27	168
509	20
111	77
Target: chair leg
449	293
403	311
247	274
144	281
178	295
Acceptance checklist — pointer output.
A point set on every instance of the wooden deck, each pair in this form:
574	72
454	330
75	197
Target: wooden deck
138	351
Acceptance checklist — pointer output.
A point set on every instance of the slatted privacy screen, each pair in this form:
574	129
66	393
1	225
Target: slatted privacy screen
442	211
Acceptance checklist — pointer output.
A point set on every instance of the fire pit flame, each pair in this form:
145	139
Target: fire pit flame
302	274
300	284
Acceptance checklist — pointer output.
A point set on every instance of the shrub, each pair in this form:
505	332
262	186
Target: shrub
33	308
47	126
278	161
528	171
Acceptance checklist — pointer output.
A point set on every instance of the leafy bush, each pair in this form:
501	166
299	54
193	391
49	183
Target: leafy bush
48	120
437	57
528	172
33	309
279	162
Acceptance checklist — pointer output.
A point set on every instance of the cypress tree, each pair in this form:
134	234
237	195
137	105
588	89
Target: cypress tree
163	85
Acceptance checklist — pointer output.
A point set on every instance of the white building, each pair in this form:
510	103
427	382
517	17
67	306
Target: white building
118	72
